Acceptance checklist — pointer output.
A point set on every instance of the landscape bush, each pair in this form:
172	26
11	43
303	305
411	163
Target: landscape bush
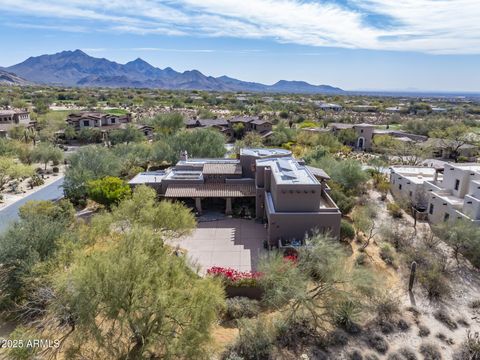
347	232
254	341
387	254
377	342
430	351
232	277
394	210
423	331
444	317
469	349
241	307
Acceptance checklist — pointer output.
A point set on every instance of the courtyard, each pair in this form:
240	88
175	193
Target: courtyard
227	242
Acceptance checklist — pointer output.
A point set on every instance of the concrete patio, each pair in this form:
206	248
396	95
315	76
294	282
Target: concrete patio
234	243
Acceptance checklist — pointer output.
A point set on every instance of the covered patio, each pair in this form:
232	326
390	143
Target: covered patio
198	192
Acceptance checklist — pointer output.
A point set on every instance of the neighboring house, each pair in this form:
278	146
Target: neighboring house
227	126
12	118
97	120
407	183
364	132
329	107
456	195
447	191
291	198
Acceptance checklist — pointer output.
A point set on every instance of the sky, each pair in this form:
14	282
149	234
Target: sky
429	45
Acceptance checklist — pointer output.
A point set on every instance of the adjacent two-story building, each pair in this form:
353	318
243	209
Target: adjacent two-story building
12	118
105	122
447	191
227	126
289	197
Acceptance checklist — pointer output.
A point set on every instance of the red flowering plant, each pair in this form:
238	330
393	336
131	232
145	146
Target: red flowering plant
290	255
232	277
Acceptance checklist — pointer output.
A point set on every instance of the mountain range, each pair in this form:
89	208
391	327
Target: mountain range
76	68
7	78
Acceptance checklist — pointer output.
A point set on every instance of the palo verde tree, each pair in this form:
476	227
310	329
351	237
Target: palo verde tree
319	285
137	300
45	153
108	191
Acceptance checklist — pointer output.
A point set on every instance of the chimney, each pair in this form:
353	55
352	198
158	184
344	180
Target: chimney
184	155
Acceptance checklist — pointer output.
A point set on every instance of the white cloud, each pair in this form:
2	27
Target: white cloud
432	26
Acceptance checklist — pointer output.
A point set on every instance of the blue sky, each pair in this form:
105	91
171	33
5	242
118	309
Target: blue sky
353	44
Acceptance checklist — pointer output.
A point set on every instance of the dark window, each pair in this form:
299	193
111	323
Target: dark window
457	184
446	216
113	121
431	209
399	186
410	193
86	123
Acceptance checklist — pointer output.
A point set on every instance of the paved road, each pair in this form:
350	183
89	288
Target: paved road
52	191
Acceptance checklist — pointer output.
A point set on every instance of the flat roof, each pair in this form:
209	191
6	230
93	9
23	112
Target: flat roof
415	174
466	166
287	171
210	190
222	169
260	152
149	177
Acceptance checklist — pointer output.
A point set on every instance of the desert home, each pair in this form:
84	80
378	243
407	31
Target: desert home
12	118
289	197
104	122
447	191
228	126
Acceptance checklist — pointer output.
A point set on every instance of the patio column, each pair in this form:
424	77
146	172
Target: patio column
435	177
228	207
198	205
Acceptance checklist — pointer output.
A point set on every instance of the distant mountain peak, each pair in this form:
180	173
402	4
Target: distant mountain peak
76	68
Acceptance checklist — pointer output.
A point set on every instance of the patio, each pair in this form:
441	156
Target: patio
234	243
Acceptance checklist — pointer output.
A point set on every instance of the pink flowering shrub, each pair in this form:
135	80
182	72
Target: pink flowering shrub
234	277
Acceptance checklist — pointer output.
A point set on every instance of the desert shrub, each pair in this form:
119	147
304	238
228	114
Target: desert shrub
395	356
254	340
371	357
338	337
35	180
443	316
394	210
403	325
386	305
387	255
347	313
475	304
461	321
386	327
347	232
430	351
470	348
241	307
296	332
355	355
407	353
434	282
55	170
361	259
377	342
423	331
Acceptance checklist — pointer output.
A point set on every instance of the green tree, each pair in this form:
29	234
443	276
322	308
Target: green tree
463	236
125	136
44	153
87	135
149	298
168	124
108	190
32	240
364	221
453	138
11	170
89	163
347	136
318	285
201	143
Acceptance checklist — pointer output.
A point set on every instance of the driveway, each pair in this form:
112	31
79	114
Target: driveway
234	243
52	191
